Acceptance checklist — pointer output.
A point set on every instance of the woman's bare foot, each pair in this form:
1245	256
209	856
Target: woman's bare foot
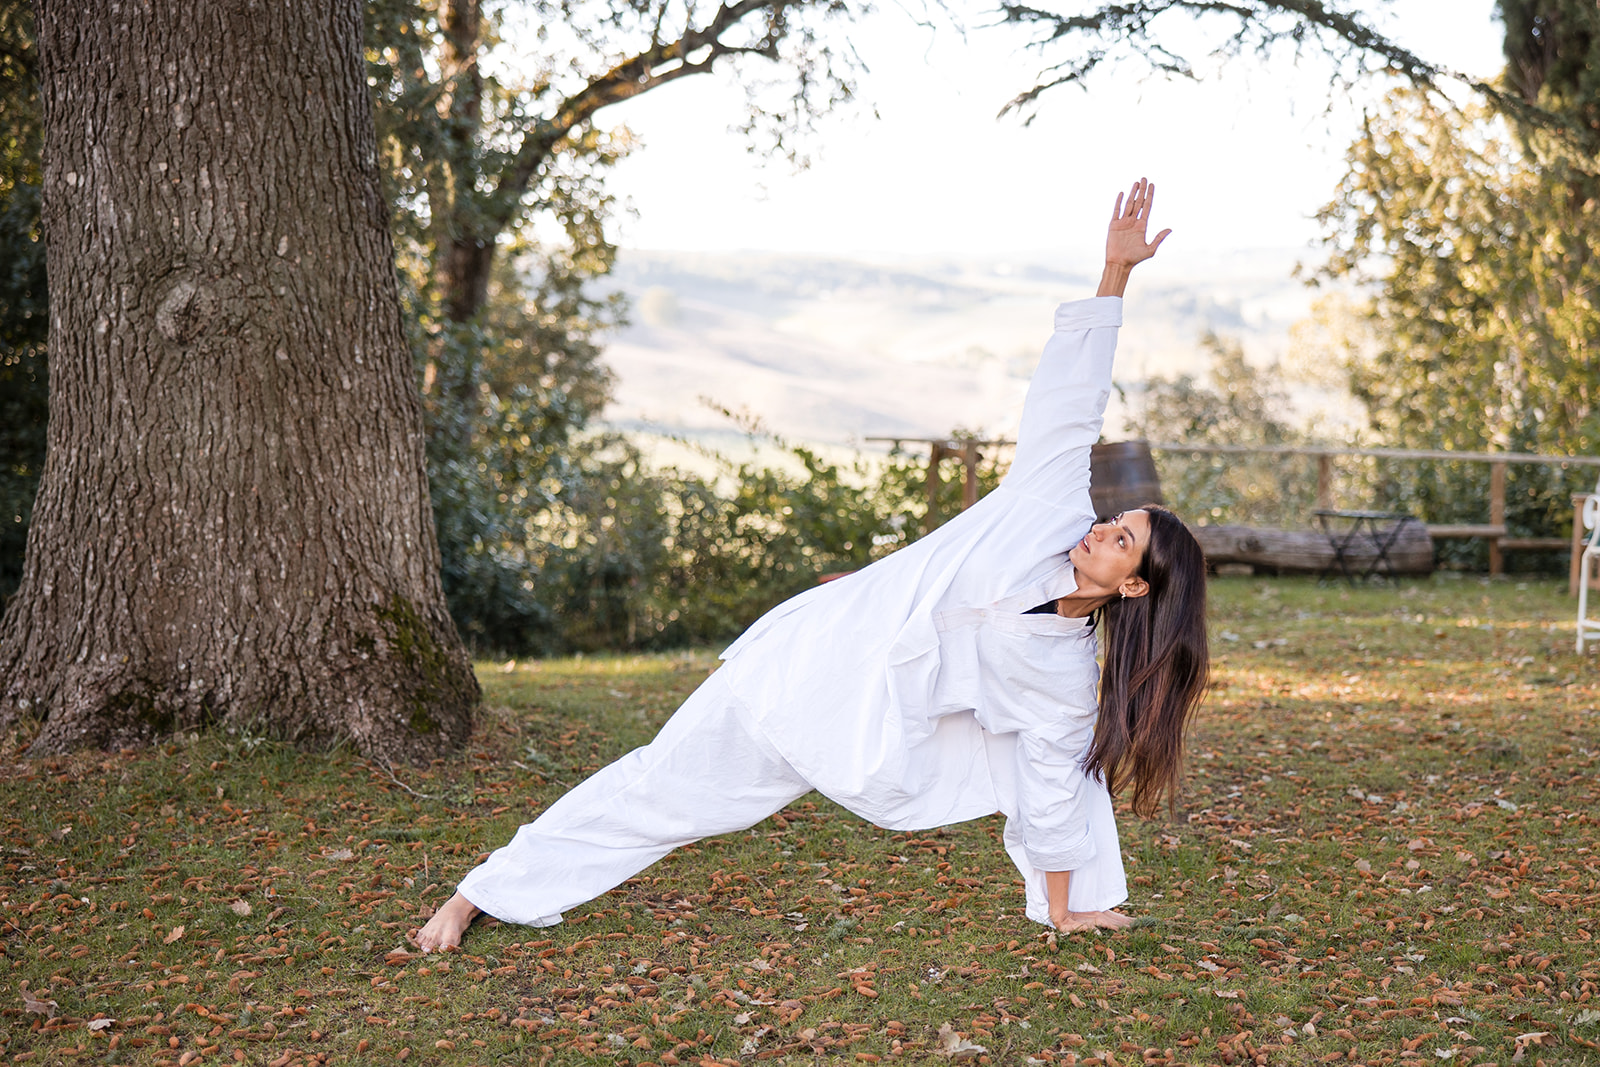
1079	921
444	930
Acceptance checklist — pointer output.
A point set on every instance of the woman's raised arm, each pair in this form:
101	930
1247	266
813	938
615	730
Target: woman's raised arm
1065	408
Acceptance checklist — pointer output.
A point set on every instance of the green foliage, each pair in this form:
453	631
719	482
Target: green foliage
1552	50
511	374
773	534
24	392
629	557
1538	504
456	144
1479	252
503	398
1243	405
1485	284
1237	404
496	170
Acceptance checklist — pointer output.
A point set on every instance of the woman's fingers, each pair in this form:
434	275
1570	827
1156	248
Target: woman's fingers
1135	204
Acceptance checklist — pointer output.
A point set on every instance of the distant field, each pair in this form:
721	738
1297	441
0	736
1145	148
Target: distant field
1387	852
829	350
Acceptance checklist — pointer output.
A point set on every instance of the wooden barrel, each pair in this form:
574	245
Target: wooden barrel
1122	476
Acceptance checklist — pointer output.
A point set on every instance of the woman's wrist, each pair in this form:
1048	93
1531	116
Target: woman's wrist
1114	279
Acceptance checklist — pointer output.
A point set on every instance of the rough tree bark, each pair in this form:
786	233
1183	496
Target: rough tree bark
233	524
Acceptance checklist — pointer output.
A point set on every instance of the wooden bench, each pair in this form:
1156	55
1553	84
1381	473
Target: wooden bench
1498	541
1512	544
1449	532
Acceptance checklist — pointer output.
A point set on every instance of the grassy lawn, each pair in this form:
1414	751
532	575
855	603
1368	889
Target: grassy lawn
1388	850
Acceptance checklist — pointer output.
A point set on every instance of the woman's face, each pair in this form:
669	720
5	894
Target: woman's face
1107	559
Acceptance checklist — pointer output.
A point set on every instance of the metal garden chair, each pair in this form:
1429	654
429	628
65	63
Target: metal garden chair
1589	629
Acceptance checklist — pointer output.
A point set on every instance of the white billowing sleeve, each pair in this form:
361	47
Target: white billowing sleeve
1052	790
1066	402
1038	683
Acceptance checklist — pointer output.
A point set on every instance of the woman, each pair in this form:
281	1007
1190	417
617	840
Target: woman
953	679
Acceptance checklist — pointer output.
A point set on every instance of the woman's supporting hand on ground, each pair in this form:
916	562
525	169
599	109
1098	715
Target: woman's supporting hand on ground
1126	246
443	931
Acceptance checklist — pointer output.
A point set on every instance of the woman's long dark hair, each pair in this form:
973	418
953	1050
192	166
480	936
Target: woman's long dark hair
1156	666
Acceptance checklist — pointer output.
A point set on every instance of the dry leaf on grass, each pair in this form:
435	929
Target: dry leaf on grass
175	934
33	1004
957	1047
240	908
95	1025
343	855
752	1044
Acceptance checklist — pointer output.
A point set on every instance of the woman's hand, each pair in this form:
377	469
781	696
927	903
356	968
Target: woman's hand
1126	246
1125	239
1074	922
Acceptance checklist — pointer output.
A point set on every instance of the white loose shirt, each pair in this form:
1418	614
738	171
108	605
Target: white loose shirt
917	693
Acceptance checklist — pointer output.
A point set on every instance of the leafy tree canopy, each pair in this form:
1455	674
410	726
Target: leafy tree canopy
1483	273
496	166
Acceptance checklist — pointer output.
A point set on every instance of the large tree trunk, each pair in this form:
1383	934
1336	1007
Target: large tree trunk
467	245
233	524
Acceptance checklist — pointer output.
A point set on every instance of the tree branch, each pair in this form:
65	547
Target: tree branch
650	69
1129	24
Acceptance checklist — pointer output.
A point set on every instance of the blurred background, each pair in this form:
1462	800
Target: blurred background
669	273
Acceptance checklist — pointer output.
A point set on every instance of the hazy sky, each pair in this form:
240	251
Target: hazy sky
1242	159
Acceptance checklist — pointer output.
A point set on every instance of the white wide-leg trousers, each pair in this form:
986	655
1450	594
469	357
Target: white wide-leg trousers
709	771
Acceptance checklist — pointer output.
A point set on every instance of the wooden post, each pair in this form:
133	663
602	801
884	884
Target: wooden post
969	460
1324	481
930	521
1579	542
1497	513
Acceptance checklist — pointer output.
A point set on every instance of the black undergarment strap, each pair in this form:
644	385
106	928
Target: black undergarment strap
1047	608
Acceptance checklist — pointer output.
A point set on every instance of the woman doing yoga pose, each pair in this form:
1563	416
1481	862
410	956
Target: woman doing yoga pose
955	678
